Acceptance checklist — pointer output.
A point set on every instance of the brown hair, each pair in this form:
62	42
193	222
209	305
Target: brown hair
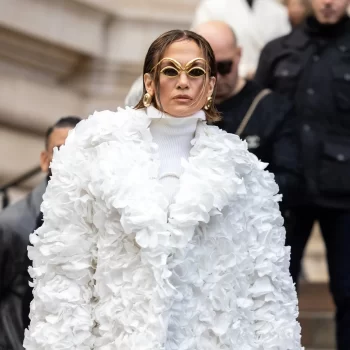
156	52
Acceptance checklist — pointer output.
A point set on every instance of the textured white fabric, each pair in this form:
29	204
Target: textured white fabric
254	27
116	268
173	137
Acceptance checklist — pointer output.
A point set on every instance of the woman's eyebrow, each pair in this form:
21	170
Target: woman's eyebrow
197	63
170	62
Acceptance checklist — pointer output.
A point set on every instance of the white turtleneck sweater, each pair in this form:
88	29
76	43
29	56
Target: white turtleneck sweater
173	136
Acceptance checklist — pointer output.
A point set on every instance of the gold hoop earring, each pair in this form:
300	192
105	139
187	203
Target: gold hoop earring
208	104
147	99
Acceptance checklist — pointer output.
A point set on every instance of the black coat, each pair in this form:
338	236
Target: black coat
311	66
270	134
16	223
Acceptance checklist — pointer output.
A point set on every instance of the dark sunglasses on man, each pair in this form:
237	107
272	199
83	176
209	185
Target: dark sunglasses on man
224	67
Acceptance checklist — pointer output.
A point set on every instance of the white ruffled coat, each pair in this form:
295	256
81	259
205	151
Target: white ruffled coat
116	268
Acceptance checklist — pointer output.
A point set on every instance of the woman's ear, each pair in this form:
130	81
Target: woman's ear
44	161
211	86
149	83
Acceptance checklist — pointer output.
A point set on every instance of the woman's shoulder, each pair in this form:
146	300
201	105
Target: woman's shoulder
119	114
234	153
105	125
230	143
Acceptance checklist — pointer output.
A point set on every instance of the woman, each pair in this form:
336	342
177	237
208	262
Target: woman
161	232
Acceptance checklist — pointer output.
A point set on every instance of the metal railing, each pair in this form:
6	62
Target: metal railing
26	176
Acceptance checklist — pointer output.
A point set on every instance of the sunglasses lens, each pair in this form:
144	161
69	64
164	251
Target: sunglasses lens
196	72
224	67
170	72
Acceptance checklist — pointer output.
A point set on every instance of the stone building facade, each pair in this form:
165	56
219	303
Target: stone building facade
69	57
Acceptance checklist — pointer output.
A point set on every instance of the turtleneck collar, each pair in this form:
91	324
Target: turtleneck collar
173	136
165	124
154	113
318	29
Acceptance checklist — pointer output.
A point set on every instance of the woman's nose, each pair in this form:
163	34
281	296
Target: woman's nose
182	80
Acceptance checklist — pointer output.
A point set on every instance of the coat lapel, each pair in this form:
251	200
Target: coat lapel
208	183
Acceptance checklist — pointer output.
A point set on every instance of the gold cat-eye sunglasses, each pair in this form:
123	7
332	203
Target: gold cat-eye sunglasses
173	71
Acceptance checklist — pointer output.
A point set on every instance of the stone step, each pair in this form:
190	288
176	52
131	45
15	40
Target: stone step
315	297
316	316
318	330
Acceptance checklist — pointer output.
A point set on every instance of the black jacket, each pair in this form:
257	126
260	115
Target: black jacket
270	134
16	223
311	66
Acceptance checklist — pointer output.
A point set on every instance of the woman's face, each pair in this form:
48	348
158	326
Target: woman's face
185	93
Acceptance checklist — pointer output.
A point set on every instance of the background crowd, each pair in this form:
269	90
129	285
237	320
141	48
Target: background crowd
283	85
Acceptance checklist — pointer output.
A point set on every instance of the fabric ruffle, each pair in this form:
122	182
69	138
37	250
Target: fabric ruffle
63	253
116	268
232	279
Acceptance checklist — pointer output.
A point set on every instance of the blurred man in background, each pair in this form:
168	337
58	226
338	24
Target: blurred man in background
16	224
312	67
264	119
255	23
298	10
135	93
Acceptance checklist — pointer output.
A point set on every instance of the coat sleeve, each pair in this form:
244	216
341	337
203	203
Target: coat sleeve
263	72
274	300
14	282
285	162
63	254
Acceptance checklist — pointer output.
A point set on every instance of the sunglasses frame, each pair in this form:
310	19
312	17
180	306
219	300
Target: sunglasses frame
179	68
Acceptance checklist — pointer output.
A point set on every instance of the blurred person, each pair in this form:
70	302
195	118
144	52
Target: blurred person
138	201
135	93
255	22
298	10
16	223
270	131
312	67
